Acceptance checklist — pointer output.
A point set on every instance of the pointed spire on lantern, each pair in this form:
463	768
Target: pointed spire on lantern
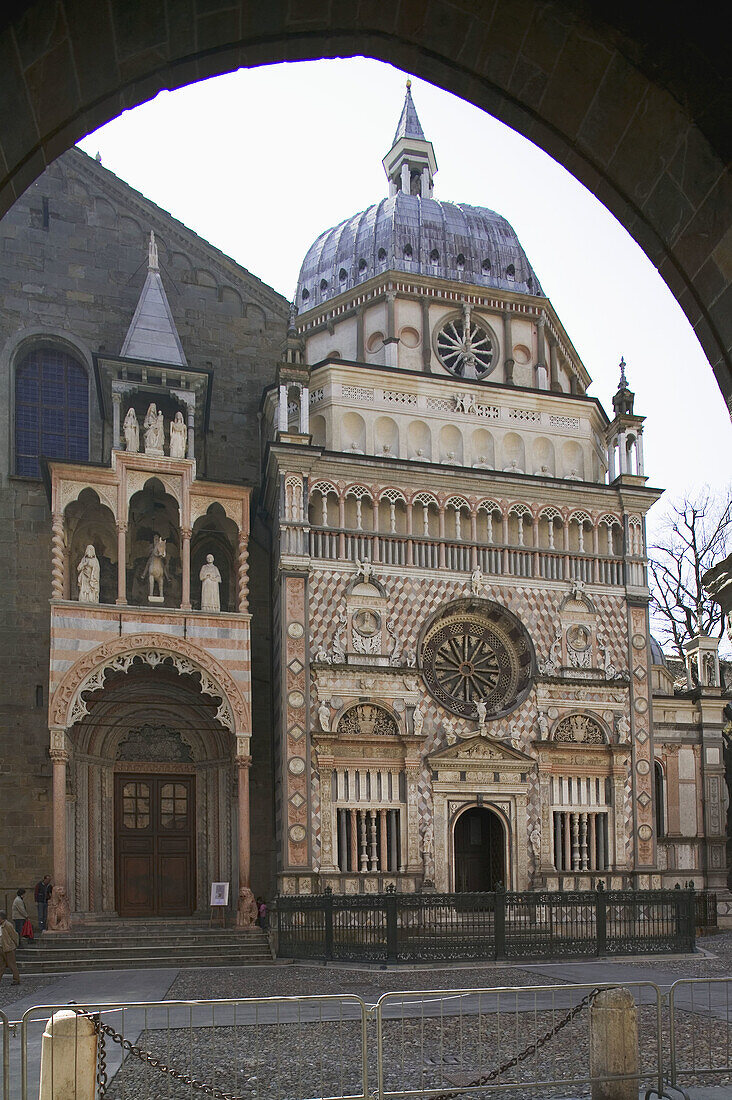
410	164
152	334
624	397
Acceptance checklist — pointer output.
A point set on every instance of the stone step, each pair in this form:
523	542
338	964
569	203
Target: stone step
134	962
52	943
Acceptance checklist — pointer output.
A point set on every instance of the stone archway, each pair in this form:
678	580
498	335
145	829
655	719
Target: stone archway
609	91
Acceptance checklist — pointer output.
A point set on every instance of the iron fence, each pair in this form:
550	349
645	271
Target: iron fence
393	927
706	910
700	1014
531	1040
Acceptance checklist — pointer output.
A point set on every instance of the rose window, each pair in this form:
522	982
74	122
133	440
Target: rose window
477	651
466	347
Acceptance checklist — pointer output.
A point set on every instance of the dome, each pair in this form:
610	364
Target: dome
418	236
658	657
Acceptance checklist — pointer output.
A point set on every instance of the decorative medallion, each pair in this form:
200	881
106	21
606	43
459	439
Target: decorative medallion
641	704
643	767
476	651
645	832
296	765
367	720
580	729
296	699
579	638
297	833
639	641
466	347
366	622
295	630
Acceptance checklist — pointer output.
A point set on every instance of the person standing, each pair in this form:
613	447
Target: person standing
42	897
9	940
19	913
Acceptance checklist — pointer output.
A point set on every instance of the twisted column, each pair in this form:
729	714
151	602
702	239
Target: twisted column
121	563
60	758
185	533
246	910
243	572
58	550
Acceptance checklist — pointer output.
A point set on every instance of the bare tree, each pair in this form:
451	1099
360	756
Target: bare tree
694	534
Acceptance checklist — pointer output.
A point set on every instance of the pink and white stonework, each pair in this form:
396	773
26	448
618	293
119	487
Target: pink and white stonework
432	666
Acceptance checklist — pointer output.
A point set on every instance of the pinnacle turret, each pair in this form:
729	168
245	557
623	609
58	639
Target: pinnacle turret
410	164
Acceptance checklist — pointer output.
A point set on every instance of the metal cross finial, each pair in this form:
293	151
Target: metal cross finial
152	253
623	384
409	83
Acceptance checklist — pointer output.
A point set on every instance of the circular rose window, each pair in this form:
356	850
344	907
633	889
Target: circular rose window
477	650
466	347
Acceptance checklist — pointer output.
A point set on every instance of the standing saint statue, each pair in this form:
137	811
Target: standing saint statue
178	434
154	431
324	715
482	712
210	581
88	576
132	432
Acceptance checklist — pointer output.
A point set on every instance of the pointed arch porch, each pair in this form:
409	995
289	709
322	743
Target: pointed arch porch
156	670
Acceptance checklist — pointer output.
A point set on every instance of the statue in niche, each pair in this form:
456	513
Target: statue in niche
324	715
418	721
428	851
178	436
156	569
132	432
481	463
154	431
535	841
88	576
210	580
543	722
482	712
512	468
476	581
623	729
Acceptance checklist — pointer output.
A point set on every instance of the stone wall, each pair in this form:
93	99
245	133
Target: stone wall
73	254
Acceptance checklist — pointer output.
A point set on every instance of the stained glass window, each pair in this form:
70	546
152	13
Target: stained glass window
51	410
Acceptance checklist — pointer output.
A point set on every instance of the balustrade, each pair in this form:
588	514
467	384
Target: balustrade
459	556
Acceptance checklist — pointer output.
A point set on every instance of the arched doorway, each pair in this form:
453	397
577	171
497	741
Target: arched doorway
480	851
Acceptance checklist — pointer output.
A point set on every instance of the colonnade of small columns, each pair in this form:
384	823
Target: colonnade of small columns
464	517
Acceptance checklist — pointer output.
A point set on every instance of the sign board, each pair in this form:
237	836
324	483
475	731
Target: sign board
219	893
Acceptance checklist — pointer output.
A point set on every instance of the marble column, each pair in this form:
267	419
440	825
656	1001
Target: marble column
185	554
58	550
191	433
243	573
121	563
414	861
116	404
282	416
246	914
60	758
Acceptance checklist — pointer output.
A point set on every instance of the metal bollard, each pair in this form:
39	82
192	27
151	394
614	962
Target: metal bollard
68	1058
614	1045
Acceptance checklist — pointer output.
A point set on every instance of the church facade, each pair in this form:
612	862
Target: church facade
351	594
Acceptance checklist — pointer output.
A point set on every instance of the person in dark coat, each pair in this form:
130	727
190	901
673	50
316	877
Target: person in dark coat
42	897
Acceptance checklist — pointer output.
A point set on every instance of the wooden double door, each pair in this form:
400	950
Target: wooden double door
155	845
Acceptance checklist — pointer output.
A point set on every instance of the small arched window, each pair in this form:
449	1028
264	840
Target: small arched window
510	272
382	256
486	267
407	251
362	265
660	805
342	276
460	261
51	410
434	256
305	294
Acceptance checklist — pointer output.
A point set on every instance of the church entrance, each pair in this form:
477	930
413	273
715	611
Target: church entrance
480	861
154	845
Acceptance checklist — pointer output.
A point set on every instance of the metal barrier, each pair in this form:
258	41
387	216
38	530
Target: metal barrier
700	1013
450	1043
263	1048
5	1033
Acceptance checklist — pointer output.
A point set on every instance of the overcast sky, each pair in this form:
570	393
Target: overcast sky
260	162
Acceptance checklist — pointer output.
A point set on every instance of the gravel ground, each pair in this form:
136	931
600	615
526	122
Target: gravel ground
27	987
273	1063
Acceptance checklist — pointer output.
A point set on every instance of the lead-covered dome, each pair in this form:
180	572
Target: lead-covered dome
418	236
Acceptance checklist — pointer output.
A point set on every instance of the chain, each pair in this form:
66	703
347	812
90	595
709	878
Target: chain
528	1051
146	1056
